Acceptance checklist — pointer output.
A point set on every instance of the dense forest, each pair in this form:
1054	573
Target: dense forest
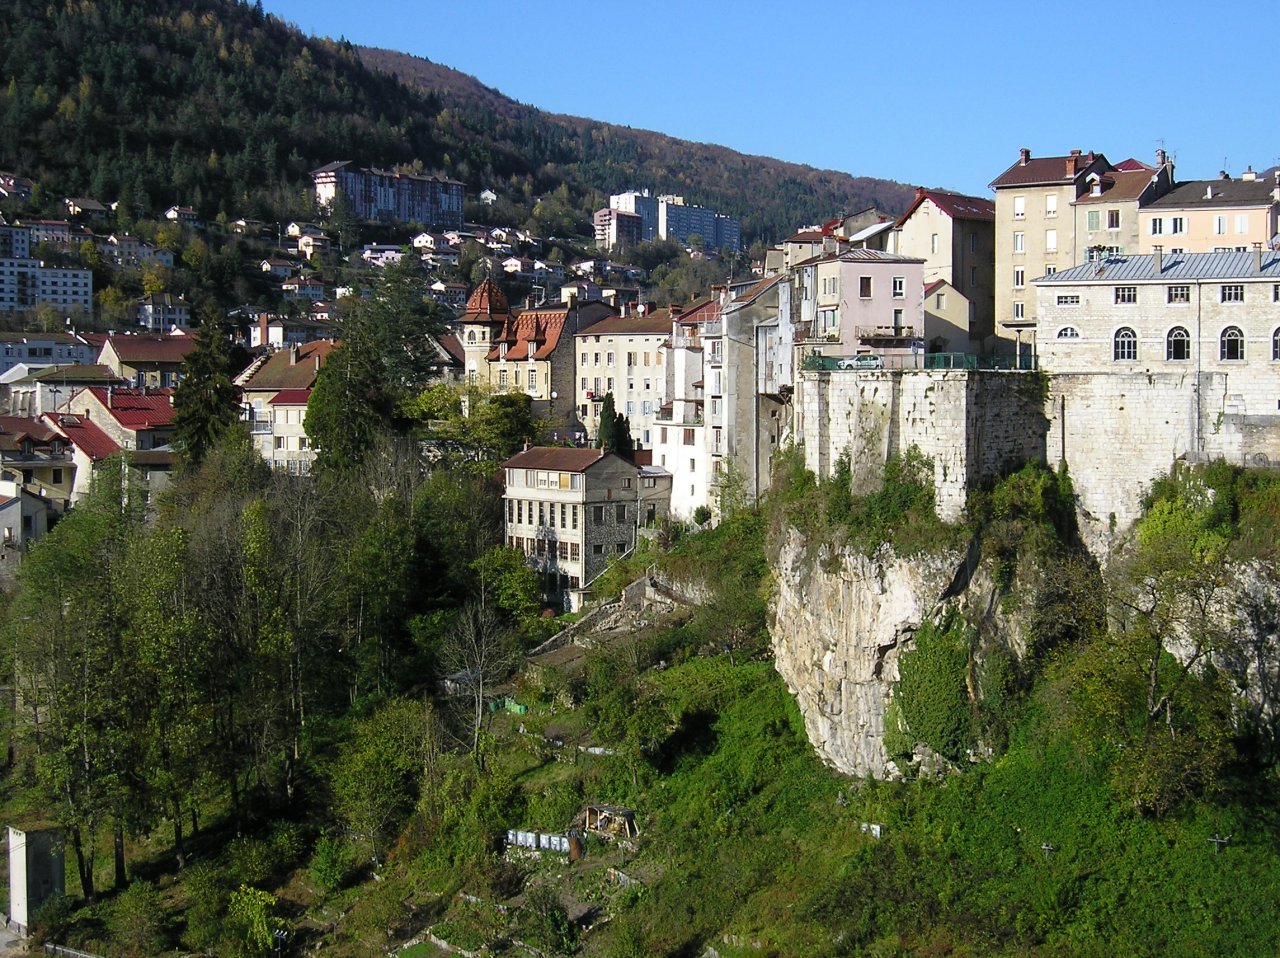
214	104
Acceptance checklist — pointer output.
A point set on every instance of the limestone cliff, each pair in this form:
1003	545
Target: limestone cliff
840	623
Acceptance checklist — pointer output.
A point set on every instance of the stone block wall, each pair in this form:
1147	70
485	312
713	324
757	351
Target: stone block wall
974	425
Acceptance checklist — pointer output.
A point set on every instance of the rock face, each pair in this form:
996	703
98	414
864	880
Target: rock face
840	622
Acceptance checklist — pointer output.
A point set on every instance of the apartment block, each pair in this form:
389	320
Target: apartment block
391	197
568	510
623	356
28	283
1207	216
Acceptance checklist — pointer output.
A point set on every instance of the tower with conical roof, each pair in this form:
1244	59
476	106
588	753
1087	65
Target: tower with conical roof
486	313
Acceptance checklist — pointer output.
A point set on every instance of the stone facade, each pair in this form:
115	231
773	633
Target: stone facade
973	424
568	510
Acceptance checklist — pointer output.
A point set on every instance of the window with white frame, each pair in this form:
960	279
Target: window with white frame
1019	277
1093	220
1233	292
933	243
1275	346
1125	345
1068	299
1178	294
1051	241
1177	224
899	287
1157	226
1242	224
1019	207
1068	332
1019	310
1177	345
1231	345
1113	219
1019	242
1220	225
1050	205
1126	295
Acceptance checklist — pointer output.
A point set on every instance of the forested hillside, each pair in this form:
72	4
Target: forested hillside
215	104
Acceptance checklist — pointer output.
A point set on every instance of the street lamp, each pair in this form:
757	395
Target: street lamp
280	936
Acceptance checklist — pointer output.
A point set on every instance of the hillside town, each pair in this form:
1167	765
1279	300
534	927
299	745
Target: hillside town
1152	305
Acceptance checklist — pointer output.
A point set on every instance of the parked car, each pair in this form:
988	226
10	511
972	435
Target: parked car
865	361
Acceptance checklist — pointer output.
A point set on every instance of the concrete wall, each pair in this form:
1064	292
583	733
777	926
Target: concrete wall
974	425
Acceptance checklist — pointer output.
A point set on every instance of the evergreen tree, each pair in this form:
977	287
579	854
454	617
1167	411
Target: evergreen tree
615	432
206	402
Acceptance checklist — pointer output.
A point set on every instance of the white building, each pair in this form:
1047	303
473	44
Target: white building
28	283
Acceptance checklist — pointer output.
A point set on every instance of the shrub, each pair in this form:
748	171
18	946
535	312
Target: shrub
206	888
135	920
331	863
933	689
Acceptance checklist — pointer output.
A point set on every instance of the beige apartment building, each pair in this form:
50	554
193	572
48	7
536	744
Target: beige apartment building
623	355
1208	216
1108	214
1035	231
955	236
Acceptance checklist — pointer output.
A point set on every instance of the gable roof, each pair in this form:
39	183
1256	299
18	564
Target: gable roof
1046	170
77	374
560	458
134	348
654	323
85	435
1210	193
290	397
956	205
14	429
533	334
294	368
1118	185
133	408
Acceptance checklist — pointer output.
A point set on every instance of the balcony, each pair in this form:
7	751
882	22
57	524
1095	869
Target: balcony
686	342
885	333
259	427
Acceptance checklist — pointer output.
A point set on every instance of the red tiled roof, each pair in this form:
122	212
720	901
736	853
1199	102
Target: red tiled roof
290	397
700	311
290	368
85	435
810	236
133	408
487	304
151	349
19	426
452	345
533	334
934	286
1048	169
755	290
956	205
1133	166
562	459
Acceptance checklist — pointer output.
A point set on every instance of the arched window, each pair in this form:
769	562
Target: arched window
471	336
1177	344
1231	344
1275	345
1126	344
1068	332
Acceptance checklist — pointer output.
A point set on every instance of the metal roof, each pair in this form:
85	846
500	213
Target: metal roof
1176	267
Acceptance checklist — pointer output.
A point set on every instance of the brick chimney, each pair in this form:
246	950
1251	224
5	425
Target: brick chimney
262	328
920	189
1023	156
1073	163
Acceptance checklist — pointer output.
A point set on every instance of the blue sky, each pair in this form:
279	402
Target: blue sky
938	93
